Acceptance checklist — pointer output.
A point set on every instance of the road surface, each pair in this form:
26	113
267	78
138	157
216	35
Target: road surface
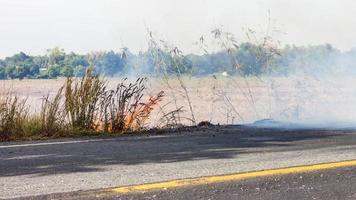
62	166
331	184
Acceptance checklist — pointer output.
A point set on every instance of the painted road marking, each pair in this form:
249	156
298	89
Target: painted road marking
53	143
80	141
231	177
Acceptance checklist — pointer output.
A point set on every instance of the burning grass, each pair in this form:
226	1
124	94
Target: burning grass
80	106
123	109
124	105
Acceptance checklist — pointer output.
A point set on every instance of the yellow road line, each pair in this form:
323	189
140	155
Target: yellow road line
231	177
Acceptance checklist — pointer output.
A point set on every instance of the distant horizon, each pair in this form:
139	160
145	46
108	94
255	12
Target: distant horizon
83	26
185	53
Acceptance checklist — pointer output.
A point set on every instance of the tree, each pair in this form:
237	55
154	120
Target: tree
21	72
55	56
79	71
20	57
2	72
20	66
14	72
54	71
72	60
41	61
107	63
66	71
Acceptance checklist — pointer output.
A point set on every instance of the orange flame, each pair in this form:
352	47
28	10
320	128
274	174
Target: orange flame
136	118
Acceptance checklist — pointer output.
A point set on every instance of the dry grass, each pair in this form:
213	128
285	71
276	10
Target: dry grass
13	115
291	98
122	109
52	115
79	106
82	99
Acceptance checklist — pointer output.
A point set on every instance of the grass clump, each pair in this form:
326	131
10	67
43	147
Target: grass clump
16	122
122	109
52	115
13	115
82	99
80	107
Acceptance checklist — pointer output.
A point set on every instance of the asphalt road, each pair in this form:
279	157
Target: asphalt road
38	168
323	185
329	184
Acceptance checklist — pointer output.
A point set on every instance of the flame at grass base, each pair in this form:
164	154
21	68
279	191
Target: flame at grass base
136	118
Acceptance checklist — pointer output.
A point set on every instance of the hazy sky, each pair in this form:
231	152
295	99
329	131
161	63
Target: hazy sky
33	26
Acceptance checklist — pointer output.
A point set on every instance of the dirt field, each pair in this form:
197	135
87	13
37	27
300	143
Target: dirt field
231	100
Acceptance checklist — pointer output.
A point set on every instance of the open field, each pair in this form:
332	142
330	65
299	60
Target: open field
230	100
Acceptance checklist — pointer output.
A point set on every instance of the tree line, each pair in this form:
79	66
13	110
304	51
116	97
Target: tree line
246	59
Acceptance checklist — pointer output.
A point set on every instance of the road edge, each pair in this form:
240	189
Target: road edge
230	177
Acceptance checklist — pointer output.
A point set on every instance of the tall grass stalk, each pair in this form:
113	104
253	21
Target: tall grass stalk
13	113
82	100
122	109
52	114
